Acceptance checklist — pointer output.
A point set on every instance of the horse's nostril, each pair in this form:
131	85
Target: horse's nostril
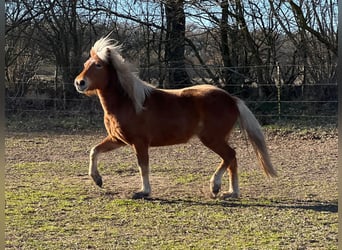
81	83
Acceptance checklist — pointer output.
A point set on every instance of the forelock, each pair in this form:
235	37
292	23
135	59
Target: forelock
105	46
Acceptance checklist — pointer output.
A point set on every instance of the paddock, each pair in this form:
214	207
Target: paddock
52	203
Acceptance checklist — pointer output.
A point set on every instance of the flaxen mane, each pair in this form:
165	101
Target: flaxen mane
136	89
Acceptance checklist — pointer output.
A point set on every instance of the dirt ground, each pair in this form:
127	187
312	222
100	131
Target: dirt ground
52	203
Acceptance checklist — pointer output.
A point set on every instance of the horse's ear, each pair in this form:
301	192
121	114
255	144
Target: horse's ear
92	53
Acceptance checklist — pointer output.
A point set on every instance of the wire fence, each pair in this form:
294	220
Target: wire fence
279	103
45	96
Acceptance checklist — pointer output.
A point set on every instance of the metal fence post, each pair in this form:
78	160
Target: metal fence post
278	85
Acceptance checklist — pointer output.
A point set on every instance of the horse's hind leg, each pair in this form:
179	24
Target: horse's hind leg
234	191
228	162
216	179
106	145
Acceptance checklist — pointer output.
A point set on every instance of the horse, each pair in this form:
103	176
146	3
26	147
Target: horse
140	115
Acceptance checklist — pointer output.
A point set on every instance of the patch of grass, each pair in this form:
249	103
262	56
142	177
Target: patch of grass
188	178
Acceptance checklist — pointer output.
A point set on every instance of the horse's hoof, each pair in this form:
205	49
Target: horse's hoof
229	195
213	195
140	195
215	189
98	180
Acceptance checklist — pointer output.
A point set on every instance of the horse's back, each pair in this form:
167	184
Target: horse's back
211	100
199	99
179	114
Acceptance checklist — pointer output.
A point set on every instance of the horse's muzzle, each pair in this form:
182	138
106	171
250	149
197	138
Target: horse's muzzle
80	85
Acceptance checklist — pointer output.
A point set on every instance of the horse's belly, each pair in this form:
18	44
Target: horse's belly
170	135
156	142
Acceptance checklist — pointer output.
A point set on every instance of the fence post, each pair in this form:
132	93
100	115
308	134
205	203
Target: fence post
56	87
278	85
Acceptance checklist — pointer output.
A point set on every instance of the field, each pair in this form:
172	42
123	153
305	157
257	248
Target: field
52	204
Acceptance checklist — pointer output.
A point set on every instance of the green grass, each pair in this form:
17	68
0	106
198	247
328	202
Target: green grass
187	178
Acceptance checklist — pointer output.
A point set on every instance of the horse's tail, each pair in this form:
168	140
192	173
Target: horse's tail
252	127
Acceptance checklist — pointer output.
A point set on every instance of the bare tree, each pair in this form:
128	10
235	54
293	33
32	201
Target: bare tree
312	29
229	42
315	21
239	38
60	32
22	55
175	44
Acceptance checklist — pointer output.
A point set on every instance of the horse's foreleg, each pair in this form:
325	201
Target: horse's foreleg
106	145
143	162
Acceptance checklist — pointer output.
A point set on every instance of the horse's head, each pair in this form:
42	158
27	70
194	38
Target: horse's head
106	67
93	76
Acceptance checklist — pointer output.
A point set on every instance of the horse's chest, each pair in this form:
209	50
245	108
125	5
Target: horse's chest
115	129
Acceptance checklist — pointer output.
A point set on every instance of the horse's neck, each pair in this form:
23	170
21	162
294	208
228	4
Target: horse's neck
114	101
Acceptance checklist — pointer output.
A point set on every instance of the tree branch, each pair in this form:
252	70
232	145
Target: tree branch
332	46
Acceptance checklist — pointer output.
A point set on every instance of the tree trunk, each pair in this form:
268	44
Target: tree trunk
175	45
224	42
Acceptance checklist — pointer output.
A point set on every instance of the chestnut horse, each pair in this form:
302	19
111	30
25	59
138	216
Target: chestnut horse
142	116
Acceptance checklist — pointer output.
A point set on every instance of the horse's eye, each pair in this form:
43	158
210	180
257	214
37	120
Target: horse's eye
97	65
